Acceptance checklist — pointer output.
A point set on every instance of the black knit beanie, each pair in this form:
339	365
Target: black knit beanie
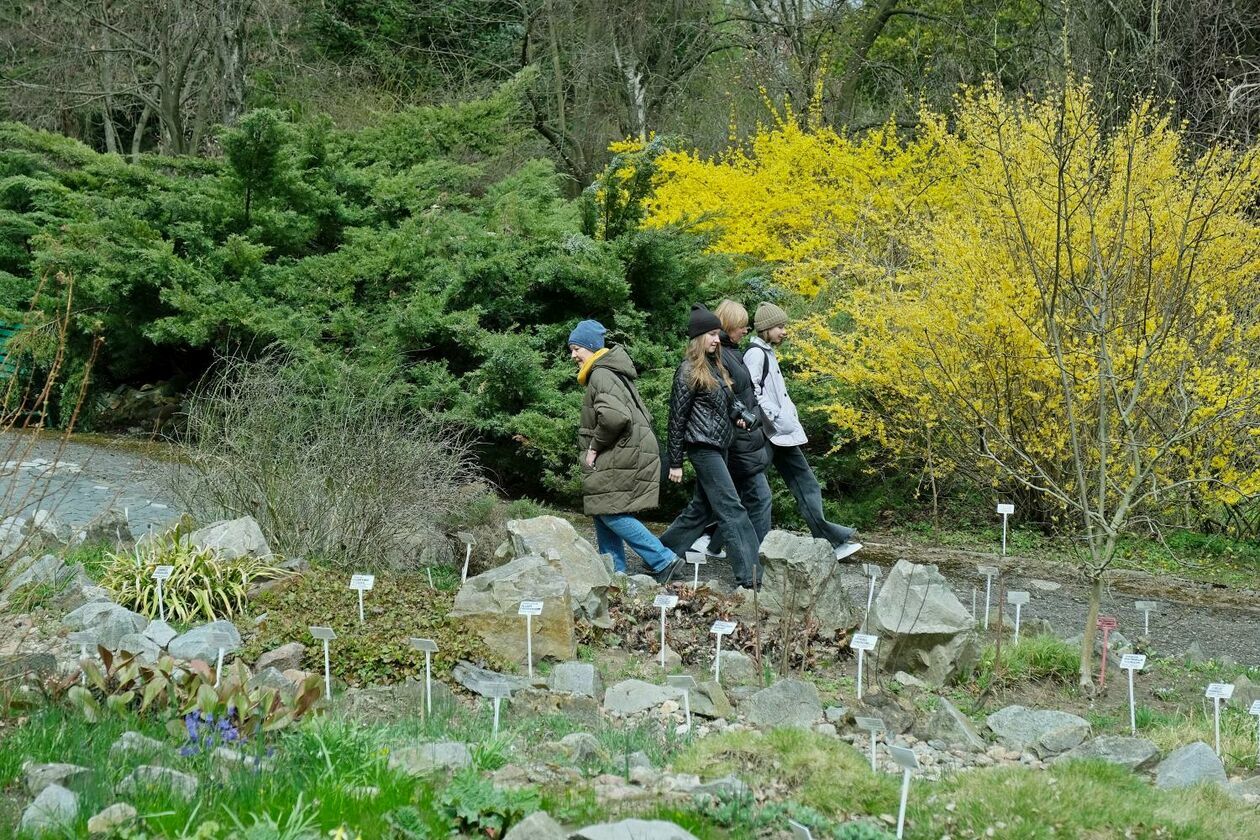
702	321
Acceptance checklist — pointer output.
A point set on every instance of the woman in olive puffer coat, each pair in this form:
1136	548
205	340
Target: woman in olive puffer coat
620	461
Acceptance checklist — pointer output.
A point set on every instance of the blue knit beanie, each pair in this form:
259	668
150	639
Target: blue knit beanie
588	334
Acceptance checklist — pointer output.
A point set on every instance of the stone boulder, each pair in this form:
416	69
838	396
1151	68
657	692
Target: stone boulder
537	826
948	724
487	606
1045	732
479	680
40	776
923	629
160	633
709	700
1245	693
132	744
53	812
898	713
629	697
789	702
31	570
1133	753
109	527
738	668
283	658
576	678
559	544
204	642
1190	765
422	759
633	830
46	528
802	578
115	817
232	538
149	777
145	649
109	621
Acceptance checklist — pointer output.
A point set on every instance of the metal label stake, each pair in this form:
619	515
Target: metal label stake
874	726
862	642
1018	599
326	635
1006	510
873	572
362	583
688	684
664	603
160	574
1218	692
469	541
429	647
529	609
989	573
720	629
1132	662
908	762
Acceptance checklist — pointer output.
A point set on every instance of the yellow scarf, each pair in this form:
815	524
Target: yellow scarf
585	371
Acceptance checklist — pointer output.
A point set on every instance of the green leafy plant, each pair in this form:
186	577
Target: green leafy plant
475	806
202	585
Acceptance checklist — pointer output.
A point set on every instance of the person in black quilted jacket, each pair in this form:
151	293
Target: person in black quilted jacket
703	415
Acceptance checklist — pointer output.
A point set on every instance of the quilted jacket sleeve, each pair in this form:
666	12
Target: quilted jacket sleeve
681	400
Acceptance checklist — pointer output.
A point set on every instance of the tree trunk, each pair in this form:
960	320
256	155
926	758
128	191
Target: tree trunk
137	134
230	25
1091	629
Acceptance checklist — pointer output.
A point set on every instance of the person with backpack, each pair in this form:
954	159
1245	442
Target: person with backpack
621	466
784	430
704	414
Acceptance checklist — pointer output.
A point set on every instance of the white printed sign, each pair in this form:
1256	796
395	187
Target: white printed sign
1255	707
324	633
1145	606
684	681
904	756
426	645
665	602
723	628
363	583
1006	509
530	608
1017	598
869	724
871	570
163	572
1222	691
1134	661
863	641
987	571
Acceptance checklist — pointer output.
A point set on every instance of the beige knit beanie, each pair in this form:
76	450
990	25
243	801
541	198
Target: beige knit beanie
768	317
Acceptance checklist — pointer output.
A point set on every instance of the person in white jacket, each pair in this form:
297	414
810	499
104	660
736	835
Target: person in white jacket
784	431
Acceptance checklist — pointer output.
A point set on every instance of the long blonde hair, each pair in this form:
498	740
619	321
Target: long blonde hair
699	377
732	314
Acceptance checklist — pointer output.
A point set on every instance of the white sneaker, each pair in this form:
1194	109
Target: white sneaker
701	544
847	549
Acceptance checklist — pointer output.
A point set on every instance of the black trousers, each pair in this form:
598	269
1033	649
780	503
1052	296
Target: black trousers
716	499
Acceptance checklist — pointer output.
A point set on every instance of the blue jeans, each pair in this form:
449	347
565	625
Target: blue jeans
614	531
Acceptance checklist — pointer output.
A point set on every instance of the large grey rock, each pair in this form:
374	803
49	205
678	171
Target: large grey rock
110	527
45	526
577	709
1045	732
480	680
948	724
149	777
53	811
897	713
559	544
576	678
923	628
629	697
633	830
1133	753
31	570
709	700
271	678
380	705
38	664
283	658
232	538
40	776
144	648
788	702
537	826
109	621
1246	789
421	759
204	642
583	748
802	579
131	744
116	816
1190	765
1245	693
78	589
160	632
737	668
487	606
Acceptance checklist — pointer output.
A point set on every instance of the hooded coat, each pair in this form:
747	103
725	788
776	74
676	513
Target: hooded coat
616	424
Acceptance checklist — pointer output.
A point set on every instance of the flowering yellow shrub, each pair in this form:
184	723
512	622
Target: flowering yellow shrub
1020	295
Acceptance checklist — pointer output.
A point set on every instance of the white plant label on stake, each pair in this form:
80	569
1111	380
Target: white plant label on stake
1218	692
428	570
799	832
874	726
361	584
429	647
160	574
908	762
529	609
469	541
497	691
989	573
1146	608
664	603
218	669
687	683
1018	599
720	629
873	572
1255	710
83	638
696	559
862	642
325	634
848	550
1132	662
1006	510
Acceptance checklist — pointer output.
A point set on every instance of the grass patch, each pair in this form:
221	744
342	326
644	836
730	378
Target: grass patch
1075	799
1170	731
1034	659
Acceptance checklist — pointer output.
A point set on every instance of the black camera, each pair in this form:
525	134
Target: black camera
750	416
